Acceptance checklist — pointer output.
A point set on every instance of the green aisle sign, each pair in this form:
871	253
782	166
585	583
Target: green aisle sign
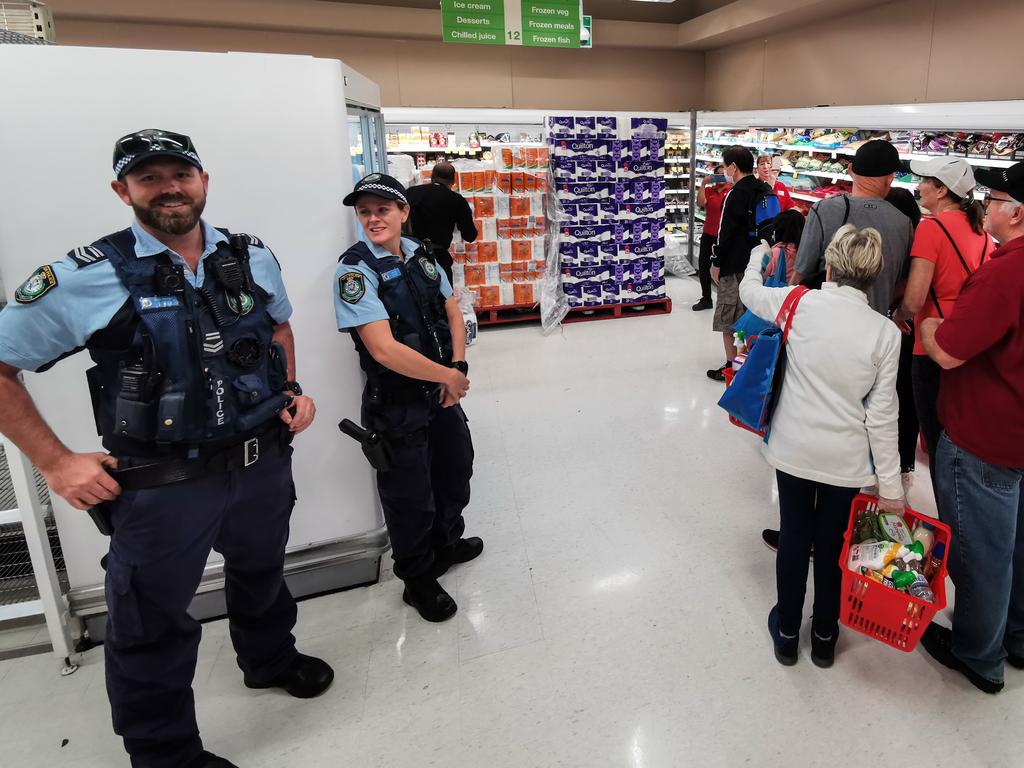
473	21
551	23
538	23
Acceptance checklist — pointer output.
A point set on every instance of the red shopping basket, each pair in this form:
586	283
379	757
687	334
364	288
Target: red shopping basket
886	614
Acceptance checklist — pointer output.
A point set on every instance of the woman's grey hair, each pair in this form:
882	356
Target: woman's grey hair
855	256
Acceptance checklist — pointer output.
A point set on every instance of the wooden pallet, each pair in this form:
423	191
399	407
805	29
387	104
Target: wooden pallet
529	313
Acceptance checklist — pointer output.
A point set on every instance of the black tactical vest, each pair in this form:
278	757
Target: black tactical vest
200	367
411	293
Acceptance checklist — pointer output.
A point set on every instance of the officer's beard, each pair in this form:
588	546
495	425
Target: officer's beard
177	223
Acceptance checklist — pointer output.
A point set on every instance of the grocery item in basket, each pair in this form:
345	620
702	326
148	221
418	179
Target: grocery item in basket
925	534
921	589
874	556
933	562
893	527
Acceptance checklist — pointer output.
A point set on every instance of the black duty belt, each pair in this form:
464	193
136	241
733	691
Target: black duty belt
246	453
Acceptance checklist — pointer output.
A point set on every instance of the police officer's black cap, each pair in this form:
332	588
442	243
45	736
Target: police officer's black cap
1009	180
136	147
379	184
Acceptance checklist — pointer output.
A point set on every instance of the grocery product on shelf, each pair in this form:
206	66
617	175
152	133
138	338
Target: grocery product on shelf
816	160
610	181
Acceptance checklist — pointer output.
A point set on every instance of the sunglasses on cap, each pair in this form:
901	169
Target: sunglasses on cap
155	141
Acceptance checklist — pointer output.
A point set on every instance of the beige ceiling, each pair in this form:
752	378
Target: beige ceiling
617	10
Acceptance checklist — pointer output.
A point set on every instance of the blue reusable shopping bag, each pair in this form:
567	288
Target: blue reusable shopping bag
751	324
755	388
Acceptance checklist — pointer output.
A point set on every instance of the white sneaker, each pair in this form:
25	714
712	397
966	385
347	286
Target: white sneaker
908	481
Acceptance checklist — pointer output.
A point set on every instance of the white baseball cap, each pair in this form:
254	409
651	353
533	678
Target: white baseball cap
956	173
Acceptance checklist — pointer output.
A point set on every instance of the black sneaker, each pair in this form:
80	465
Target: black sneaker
1015	660
823	650
717	374
703	304
770	537
938	642
785	647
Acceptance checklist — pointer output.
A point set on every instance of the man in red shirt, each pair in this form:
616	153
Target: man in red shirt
980	458
710	197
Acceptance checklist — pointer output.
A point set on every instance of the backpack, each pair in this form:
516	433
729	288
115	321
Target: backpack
762	213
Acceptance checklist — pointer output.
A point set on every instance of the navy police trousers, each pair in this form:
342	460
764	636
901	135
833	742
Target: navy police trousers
427	487
162	538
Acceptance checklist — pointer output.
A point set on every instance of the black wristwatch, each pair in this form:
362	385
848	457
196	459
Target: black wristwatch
461	366
293	387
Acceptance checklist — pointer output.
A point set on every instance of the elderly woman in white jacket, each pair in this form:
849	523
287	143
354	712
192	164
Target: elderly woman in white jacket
833	429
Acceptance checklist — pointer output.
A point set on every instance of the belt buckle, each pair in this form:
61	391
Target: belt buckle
251	449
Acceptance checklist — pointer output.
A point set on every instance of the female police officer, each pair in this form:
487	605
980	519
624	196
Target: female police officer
409	333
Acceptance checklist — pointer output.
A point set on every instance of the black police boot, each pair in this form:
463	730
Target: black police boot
429	598
461	551
209	760
306	678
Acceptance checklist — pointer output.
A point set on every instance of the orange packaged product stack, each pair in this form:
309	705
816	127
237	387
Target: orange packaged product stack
508	197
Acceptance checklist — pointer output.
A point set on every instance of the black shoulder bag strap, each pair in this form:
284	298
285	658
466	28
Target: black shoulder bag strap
967	269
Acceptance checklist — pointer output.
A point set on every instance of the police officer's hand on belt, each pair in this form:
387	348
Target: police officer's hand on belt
195	398
411	339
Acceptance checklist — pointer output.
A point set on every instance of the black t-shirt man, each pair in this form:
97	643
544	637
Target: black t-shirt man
436	210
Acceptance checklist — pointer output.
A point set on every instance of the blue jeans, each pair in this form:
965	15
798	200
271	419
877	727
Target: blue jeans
984	507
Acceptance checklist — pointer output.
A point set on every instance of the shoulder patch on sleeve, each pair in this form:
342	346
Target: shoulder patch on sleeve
86	255
38	285
351	287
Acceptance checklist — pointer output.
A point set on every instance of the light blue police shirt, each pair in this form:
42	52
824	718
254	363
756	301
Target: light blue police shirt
370	308
86	298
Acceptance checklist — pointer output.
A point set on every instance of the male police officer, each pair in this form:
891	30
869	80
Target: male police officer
436	210
194	396
411	339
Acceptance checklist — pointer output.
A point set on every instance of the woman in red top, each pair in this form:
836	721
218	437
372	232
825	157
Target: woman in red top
768	169
948	247
710	197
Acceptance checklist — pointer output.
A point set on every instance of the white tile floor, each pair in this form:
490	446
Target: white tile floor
616	618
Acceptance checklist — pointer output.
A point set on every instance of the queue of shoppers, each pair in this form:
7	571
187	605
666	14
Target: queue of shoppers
852	405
